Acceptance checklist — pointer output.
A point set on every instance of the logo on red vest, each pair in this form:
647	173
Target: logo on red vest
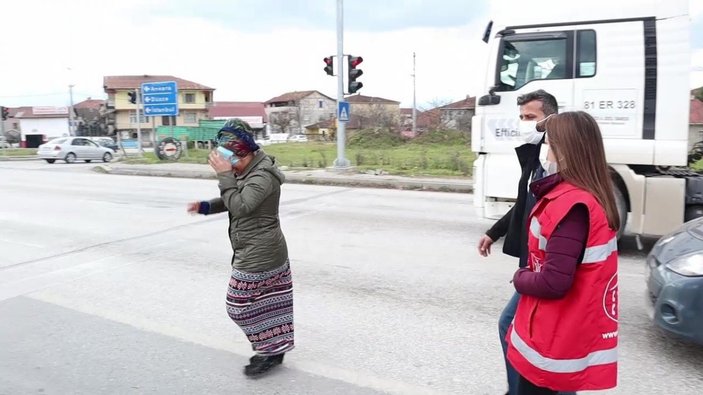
610	298
536	263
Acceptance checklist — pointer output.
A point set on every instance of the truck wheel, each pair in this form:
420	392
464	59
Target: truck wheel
622	209
693	212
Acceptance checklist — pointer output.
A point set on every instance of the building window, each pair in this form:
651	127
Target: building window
168	121
320	104
133	117
190	117
190	98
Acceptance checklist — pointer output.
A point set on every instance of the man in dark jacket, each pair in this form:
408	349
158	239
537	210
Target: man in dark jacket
535	107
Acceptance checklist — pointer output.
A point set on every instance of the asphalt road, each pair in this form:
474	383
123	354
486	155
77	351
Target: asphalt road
107	286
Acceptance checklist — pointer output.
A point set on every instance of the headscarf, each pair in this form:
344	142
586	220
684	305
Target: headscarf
237	136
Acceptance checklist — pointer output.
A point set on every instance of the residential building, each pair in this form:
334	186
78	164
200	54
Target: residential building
194	101
253	113
291	112
695	127
453	116
90	119
458	115
38	125
406	118
327	130
378	111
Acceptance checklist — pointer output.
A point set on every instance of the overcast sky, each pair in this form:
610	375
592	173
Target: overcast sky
253	50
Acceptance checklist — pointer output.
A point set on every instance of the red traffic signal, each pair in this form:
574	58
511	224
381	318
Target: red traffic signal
132	97
353	73
355	60
329	65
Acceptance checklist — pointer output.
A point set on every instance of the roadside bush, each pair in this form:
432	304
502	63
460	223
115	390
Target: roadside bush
374	138
443	137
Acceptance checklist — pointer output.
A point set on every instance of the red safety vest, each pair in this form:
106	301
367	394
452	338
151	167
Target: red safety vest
570	344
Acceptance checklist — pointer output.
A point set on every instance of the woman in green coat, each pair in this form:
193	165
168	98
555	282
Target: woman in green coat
260	292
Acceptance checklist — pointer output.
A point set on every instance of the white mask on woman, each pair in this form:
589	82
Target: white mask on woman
548	166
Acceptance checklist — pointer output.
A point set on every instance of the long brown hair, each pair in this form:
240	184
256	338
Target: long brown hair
577	143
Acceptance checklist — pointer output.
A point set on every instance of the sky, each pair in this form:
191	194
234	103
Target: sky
254	50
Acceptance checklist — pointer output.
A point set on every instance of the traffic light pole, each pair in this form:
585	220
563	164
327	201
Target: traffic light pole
139	120
341	162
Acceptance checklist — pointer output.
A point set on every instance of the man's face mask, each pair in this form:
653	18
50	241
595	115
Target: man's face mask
529	133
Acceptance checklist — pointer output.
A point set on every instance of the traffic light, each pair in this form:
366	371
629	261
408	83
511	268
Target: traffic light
132	97
353	73
4	112
329	65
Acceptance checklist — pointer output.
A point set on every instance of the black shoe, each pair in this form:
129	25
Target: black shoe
260	365
256	358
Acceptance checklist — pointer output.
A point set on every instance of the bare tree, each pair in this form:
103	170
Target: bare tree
12	136
463	122
433	114
380	116
284	121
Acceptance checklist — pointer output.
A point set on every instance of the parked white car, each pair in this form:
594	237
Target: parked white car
298	138
71	149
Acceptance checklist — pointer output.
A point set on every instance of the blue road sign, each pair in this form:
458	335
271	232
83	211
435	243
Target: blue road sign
160	98
343	111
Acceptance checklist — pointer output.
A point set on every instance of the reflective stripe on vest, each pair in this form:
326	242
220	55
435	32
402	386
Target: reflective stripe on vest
592	254
595	358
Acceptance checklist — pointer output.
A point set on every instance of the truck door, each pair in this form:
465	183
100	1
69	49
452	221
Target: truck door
528	60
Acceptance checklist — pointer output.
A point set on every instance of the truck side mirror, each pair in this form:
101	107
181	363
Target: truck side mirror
489	100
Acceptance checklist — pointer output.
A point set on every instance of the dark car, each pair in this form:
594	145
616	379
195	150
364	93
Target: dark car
106	142
674	275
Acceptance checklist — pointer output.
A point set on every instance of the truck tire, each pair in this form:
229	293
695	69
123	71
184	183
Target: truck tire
621	205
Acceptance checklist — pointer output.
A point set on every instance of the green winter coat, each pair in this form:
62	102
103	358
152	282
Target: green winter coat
252	200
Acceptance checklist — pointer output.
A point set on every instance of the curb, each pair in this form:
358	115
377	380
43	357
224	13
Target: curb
296	178
17	158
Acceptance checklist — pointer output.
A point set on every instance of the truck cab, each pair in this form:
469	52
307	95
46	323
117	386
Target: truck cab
629	69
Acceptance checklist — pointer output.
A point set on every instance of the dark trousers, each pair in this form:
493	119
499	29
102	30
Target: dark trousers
524	387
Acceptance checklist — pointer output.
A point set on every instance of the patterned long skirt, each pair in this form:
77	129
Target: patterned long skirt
261	304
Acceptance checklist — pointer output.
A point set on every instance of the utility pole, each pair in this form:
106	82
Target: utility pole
71	130
414	105
341	162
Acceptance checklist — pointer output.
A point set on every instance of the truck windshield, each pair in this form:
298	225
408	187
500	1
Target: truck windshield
523	61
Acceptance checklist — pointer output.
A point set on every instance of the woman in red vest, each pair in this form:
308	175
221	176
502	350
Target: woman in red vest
565	332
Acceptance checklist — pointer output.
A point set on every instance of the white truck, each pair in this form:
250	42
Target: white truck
630	70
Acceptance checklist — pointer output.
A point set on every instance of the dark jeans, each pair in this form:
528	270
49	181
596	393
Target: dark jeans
524	387
506	318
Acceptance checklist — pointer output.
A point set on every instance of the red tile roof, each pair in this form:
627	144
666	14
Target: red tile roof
114	82
429	118
293	96
237	109
369	99
466	104
696	112
89	103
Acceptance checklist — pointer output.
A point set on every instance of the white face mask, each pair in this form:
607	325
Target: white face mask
548	166
529	133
